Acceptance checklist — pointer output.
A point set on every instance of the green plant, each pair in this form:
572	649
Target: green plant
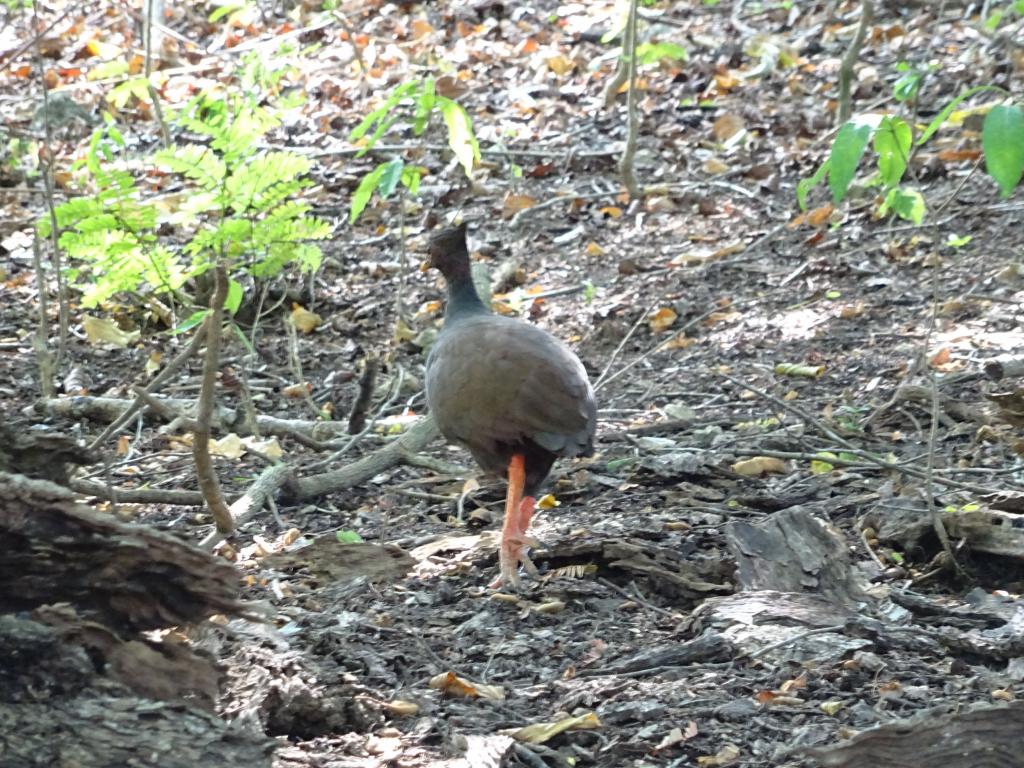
239	210
998	16
419	99
908	85
109	235
893	141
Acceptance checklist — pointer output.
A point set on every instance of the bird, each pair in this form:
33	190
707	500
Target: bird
511	393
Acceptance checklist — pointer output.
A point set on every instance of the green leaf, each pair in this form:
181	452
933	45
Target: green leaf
424	106
907	86
906	203
389	179
190	322
847	150
411	176
1002	141
195	162
652	53
381	117
461	138
224	10
823	465
122	93
234	297
364	192
943	116
349	537
243	338
892	143
958	241
806	185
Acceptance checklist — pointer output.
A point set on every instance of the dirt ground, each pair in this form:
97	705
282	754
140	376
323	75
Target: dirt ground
394	651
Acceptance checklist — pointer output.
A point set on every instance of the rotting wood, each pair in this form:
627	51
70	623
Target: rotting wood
991	531
986	736
83	684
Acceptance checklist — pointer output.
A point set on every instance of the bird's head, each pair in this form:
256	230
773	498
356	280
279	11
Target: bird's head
448	252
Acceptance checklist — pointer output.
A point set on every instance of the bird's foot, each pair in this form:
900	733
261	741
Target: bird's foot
513	552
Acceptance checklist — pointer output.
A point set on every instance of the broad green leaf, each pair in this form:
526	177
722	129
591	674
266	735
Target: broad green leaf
1002	141
389	179
892	143
364	192
847	150
381	116
652	53
190	322
906	203
234	297
943	116
424	106
348	537
806	185
461	138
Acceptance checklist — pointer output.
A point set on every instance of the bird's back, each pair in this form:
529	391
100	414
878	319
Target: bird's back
496	384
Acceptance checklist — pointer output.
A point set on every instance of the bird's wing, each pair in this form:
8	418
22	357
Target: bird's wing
507	380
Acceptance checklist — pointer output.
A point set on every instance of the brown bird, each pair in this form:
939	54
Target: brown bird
514	395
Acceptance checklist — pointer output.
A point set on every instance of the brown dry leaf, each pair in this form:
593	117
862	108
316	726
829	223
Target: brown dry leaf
123	443
727	126
303	319
677	736
538	733
527	46
560	65
852	311
101	331
153	362
959	155
420	28
765	697
661	320
721	317
821	215
513	204
728	250
402	708
268	447
611	211
727	755
229	446
679	341
452	685
760	465
942	357
301	389
429	309
449	87
715	167
593	249
725	82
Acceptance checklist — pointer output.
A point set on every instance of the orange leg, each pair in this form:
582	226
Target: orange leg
514	541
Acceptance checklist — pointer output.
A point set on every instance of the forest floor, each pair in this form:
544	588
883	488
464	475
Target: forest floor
676	305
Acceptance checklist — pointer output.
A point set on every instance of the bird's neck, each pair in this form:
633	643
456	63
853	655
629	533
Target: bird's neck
463	299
